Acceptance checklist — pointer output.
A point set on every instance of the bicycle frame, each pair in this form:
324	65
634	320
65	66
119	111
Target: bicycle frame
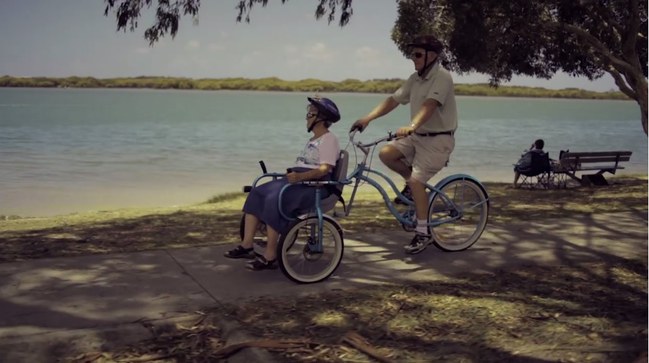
317	237
362	172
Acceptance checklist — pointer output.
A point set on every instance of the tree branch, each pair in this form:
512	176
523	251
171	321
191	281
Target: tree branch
622	85
616	62
608	20
631	33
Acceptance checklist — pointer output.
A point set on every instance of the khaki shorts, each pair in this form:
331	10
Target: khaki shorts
426	154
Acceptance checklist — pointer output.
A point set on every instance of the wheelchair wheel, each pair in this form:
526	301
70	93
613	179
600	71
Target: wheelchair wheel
297	255
466	221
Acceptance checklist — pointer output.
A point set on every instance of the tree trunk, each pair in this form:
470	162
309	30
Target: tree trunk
642	101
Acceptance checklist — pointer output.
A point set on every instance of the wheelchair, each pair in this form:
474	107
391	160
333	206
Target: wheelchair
312	247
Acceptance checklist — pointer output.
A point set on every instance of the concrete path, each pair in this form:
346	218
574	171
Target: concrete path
50	306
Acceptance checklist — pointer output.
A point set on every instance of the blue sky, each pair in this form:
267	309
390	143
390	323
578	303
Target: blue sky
60	38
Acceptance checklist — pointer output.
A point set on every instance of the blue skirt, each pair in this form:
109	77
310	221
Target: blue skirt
263	202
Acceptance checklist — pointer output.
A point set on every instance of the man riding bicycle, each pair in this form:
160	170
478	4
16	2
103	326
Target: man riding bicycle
426	144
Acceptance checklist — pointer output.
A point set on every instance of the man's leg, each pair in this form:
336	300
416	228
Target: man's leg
420	198
393	159
422	233
516	176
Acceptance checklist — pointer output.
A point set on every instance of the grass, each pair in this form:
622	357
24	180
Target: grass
217	222
590	312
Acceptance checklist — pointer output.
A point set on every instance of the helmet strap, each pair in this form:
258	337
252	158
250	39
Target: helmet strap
427	67
317	120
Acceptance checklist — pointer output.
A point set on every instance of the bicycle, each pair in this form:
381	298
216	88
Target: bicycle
312	248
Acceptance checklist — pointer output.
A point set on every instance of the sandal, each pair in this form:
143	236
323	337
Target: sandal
240	252
261	263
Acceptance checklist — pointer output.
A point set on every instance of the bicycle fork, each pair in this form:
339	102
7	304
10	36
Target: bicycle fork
315	242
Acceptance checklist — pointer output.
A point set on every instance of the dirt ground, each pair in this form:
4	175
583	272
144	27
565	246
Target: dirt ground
594	312
588	313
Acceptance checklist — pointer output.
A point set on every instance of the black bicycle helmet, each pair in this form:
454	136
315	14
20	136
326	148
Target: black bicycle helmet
327	109
427	42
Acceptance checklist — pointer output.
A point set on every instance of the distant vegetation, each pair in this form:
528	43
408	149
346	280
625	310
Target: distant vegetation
305	85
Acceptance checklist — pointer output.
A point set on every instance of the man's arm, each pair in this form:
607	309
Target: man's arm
425	112
382	109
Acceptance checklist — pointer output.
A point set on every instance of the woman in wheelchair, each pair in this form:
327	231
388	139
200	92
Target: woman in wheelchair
315	162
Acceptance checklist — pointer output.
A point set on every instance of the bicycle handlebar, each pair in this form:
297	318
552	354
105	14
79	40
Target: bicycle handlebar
365	146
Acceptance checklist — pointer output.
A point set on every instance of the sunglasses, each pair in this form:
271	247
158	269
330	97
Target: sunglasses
417	55
310	112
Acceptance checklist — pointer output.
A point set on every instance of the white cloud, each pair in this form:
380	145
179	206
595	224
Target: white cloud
215	47
319	51
290	49
254	56
371	59
367	52
193	44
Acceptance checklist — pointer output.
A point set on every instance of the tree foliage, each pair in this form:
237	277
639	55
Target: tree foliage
495	37
167	19
324	7
169	12
537	38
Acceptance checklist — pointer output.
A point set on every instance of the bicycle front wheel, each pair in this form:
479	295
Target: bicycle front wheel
463	208
299	257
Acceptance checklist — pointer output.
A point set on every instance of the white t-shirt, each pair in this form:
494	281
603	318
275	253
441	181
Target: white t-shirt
437	84
323	150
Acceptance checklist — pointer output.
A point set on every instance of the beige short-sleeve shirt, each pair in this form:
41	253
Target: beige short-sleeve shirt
437	85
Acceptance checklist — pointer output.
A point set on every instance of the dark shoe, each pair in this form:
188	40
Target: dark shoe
419	243
261	263
406	193
240	252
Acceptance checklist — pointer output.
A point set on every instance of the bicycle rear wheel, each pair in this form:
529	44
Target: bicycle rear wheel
464	207
297	255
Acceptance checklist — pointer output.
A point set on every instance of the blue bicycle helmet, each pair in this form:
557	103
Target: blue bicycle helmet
327	109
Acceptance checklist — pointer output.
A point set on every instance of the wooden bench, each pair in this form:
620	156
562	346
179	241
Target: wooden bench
570	163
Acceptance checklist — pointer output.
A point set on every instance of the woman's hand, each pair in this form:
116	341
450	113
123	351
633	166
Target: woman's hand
293	177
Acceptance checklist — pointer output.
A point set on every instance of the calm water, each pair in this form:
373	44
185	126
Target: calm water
67	150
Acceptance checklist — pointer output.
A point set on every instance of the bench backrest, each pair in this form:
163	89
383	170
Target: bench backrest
573	158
